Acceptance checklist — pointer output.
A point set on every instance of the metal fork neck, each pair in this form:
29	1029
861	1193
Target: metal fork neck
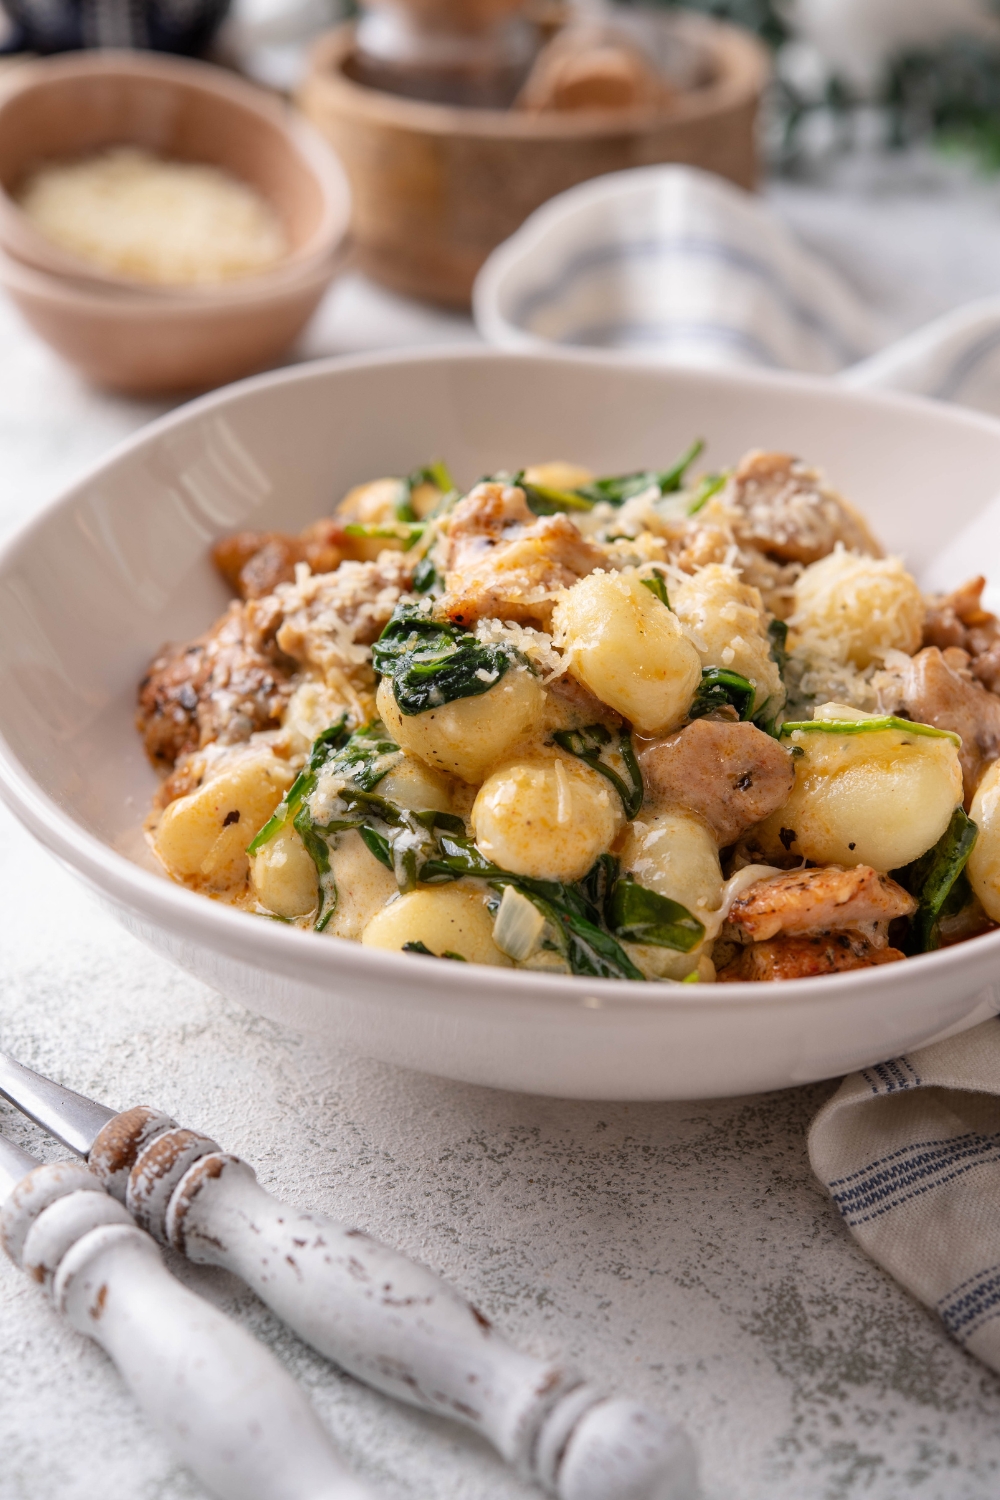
72	1118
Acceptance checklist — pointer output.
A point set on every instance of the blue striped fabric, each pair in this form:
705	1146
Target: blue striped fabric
910	1153
918	1168
971	1305
621	254
890	1077
673	262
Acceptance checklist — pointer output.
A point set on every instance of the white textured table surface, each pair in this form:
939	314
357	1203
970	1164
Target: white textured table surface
680	1252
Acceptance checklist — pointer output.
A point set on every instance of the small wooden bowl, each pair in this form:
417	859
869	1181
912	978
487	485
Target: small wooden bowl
144	344
437	187
58	109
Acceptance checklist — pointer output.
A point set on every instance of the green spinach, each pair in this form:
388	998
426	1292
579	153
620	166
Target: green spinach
324	747
436	474
618	488
639	915
939	882
432	663
656	585
720	689
592	745
614	489
709	486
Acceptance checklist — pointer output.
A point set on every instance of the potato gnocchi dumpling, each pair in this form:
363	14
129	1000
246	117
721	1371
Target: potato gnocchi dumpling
725	621
450	922
283	876
629	649
467	737
363	885
203	837
878	797
589	724
984	861
548	819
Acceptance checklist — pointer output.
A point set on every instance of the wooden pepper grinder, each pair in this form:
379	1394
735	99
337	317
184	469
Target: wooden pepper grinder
469	52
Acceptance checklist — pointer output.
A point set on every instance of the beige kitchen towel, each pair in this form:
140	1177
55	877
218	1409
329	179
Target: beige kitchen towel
910	1153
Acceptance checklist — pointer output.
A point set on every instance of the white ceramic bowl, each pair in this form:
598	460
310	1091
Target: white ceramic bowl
119	564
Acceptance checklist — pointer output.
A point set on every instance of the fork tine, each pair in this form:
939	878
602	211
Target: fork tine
72	1118
14	1165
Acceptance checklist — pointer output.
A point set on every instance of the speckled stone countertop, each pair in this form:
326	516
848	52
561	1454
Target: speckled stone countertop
680	1252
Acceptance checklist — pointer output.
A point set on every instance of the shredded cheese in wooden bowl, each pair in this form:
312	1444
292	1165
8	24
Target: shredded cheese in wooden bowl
160	222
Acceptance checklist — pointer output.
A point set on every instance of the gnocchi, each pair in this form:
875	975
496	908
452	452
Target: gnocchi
552	723
984	861
450	923
283	876
203	837
878	797
467	737
725	621
674	854
548	819
628	648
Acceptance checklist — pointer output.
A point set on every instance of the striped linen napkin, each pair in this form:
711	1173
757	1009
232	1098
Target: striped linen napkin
910	1153
678	266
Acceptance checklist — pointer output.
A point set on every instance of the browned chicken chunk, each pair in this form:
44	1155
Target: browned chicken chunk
224	685
934	690
958	620
505	562
813	901
732	775
805	957
253	563
783	508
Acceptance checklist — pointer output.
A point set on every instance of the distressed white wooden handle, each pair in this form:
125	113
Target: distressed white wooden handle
389	1321
224	1404
398	1326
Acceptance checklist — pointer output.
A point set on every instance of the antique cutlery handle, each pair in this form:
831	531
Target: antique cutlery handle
399	1327
222	1402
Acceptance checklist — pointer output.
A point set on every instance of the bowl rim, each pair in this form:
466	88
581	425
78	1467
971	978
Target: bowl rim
303	139
311	956
743	82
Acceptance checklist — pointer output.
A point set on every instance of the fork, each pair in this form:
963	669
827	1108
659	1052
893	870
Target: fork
385	1319
222	1402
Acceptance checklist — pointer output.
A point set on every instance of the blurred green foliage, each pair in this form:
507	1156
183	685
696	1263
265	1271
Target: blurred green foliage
758	15
950	94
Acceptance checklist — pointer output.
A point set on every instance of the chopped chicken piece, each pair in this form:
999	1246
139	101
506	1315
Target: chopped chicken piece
775	580
694	544
327	620
223	686
805	957
812	901
236	679
253	563
505	562
934	689
731	775
958	621
783	508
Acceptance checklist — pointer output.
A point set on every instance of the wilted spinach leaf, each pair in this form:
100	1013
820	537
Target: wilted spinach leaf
656	585
938	881
638	915
594	745
719	689
432	663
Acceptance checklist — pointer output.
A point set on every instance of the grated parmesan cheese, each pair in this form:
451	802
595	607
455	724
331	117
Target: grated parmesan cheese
164	222
536	645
